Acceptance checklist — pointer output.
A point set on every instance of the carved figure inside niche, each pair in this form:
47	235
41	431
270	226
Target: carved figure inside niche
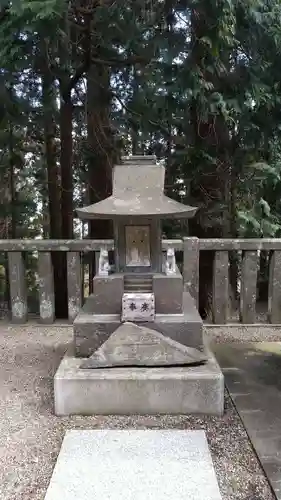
137	246
171	261
104	266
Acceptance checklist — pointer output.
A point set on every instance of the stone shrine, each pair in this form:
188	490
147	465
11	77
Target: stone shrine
138	340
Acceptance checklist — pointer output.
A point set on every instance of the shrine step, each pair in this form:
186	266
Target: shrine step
137	287
138	277
138	283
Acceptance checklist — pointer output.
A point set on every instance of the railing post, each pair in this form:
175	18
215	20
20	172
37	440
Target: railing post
74	284
274	288
17	287
248	293
221	287
191	267
46	288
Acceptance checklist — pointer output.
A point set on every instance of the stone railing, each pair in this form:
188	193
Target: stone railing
191	247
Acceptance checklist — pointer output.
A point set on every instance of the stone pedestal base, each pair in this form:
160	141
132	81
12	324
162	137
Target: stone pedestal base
127	391
91	330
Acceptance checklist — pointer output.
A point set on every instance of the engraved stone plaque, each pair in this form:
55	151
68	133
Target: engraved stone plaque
137	246
138	307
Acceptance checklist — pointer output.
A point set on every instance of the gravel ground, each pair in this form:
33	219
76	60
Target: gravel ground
241	333
31	436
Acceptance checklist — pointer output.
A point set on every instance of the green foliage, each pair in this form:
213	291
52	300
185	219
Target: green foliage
197	83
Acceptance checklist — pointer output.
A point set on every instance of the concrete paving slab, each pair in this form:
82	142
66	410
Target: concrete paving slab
272	467
134	465
251	400
268	446
252	376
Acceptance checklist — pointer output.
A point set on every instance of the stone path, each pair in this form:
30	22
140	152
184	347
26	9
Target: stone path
253	378
135	465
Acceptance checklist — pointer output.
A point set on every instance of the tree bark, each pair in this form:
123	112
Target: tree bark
11	224
135	129
54	192
209	133
100	145
13	221
53	180
99	152
66	167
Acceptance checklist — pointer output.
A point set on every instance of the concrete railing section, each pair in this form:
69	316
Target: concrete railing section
249	250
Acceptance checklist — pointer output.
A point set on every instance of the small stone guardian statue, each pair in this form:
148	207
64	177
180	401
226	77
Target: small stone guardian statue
171	261
103	263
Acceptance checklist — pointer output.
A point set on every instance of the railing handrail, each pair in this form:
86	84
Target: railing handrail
89	245
240	244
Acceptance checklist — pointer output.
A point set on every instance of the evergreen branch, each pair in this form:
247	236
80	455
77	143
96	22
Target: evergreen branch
135	113
83	68
87	11
120	62
4	13
80	71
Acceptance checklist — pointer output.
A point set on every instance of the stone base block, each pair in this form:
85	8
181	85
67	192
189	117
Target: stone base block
168	291
91	330
143	391
107	296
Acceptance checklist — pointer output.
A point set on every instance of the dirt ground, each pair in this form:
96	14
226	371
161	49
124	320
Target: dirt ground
31	436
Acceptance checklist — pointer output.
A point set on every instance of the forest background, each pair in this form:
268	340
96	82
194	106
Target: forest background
195	82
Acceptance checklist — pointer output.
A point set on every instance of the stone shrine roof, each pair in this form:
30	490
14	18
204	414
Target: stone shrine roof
138	185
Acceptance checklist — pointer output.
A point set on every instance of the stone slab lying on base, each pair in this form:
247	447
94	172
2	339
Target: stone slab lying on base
132	345
126	391
134	465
